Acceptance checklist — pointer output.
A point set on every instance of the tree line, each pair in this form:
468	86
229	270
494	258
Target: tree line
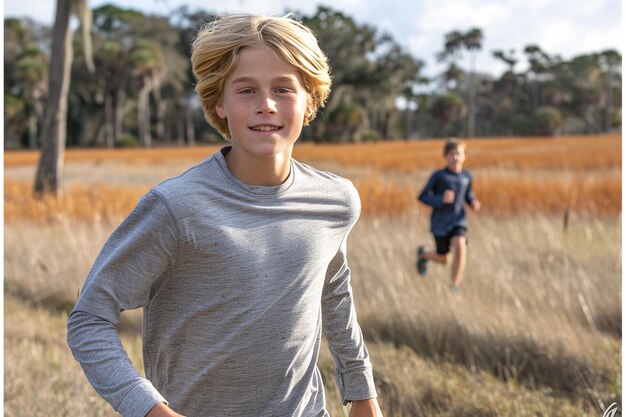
131	85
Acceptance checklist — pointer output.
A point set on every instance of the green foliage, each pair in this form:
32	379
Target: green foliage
142	63
25	81
616	118
128	141
370	136
548	120
13	106
111	20
522	125
145	56
345	121
446	109
369	70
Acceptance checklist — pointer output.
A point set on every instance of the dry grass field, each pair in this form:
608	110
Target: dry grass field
535	332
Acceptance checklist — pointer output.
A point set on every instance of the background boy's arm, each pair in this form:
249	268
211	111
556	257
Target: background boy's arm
470	198
428	196
137	254
353	368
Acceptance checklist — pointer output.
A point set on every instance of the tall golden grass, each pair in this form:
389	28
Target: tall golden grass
571	152
535	332
598	195
552	176
102	203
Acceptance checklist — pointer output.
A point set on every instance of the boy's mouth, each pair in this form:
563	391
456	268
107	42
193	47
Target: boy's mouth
265	128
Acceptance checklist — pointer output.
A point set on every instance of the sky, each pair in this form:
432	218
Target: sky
560	27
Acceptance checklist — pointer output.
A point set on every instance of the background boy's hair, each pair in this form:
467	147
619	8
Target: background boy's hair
216	48
453	144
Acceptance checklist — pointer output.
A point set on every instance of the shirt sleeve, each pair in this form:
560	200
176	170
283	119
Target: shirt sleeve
469	195
137	256
353	371
428	196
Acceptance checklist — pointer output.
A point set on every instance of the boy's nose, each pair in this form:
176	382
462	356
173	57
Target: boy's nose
266	104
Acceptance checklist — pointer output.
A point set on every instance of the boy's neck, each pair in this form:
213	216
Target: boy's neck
269	171
454	170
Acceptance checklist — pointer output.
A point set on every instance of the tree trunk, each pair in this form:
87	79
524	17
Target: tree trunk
471	117
35	121
161	108
609	103
109	120
120	104
535	91
53	132
191	133
32	131
180	130
143	114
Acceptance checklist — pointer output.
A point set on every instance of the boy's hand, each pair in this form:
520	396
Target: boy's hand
162	410
476	205
365	408
448	197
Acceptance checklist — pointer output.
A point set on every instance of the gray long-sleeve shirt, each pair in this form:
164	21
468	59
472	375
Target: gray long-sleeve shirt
237	283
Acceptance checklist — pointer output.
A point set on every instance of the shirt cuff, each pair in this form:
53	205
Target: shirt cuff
141	398
356	385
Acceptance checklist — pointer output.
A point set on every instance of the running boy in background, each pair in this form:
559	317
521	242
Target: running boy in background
446	192
239	263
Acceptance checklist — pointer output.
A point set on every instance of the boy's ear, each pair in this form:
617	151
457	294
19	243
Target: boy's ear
219	109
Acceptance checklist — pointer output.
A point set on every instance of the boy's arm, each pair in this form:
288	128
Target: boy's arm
162	410
428	196
137	255
470	198
365	408
353	368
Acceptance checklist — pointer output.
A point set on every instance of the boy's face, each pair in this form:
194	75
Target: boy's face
455	159
264	102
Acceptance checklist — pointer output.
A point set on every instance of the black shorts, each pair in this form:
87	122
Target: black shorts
443	242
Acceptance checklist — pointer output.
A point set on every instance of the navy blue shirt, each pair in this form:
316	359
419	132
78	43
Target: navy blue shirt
445	217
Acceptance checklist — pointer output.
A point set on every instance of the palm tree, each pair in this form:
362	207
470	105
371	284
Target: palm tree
452	76
455	42
539	62
446	109
611	62
50	169
147	66
115	26
509	59
110	57
31	72
26	72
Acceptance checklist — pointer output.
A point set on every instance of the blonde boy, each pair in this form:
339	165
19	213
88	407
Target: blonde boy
240	262
446	192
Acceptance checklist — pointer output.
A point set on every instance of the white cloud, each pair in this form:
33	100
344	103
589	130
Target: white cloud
40	10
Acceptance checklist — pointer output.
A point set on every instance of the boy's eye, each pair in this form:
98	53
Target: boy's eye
246	91
283	90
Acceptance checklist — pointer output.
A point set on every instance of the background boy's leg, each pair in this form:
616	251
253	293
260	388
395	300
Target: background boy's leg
437	257
459	255
441	252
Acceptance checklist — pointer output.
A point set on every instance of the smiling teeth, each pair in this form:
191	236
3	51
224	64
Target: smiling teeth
265	128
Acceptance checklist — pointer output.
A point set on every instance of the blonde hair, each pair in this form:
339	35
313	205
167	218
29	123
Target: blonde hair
215	51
